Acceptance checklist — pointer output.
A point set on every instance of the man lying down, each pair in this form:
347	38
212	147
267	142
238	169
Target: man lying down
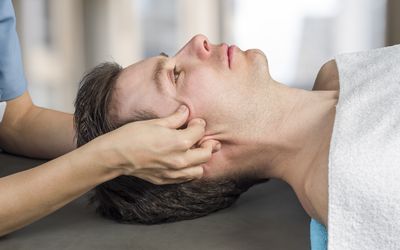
267	130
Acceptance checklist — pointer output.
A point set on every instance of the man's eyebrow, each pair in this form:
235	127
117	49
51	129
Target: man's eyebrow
160	66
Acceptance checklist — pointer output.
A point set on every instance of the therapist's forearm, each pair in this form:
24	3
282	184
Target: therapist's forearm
46	134
34	131
29	195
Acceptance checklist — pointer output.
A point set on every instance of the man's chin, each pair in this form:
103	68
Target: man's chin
256	52
257	57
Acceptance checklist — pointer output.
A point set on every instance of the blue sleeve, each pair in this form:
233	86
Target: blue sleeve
12	78
318	236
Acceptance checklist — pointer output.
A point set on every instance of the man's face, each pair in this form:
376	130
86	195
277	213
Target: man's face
215	82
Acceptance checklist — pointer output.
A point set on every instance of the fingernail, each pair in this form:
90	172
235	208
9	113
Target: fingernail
217	147
201	121
182	109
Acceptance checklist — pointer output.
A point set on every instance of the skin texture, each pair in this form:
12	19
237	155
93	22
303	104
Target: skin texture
266	128
327	80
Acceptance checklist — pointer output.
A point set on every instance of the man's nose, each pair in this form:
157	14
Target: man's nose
201	46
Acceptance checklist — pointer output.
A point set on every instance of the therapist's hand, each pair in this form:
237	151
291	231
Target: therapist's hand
157	151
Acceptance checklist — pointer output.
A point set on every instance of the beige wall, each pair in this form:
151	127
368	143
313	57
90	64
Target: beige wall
83	33
112	32
203	16
52	69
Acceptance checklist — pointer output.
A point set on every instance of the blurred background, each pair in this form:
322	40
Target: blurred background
61	39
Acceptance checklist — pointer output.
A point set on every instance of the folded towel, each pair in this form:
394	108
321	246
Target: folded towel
318	236
364	159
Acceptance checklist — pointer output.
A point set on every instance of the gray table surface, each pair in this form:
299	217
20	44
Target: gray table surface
268	216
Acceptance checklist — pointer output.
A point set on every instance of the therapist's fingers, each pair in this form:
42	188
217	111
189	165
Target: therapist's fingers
214	144
203	154
176	120
177	176
186	174
191	134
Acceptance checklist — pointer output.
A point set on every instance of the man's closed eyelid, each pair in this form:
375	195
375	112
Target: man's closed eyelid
171	76
170	71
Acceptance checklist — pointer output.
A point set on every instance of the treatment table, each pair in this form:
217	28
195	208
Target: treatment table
268	216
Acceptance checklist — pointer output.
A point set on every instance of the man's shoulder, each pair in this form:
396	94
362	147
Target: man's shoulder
328	77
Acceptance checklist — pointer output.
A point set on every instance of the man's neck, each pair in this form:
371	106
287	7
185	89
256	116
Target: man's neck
290	138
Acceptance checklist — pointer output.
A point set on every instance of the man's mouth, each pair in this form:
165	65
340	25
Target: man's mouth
230	53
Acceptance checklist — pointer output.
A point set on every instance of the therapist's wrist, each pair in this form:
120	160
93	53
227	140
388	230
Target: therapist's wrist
97	154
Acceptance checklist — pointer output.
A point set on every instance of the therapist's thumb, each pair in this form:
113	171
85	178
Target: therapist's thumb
177	119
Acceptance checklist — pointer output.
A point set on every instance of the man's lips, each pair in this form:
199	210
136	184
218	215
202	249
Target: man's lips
230	53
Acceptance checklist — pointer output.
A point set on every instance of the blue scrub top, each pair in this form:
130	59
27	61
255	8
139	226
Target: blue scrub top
12	78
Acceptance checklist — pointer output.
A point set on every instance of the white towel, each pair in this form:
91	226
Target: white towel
364	160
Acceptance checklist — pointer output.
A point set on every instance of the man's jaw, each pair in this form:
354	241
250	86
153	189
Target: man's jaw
252	148
241	154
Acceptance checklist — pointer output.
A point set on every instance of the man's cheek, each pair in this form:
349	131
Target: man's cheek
161	105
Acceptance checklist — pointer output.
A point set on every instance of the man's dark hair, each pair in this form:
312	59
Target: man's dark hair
129	199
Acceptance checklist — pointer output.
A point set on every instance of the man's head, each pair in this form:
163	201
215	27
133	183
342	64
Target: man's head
219	84
216	83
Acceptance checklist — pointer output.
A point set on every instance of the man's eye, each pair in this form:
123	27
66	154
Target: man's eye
176	74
